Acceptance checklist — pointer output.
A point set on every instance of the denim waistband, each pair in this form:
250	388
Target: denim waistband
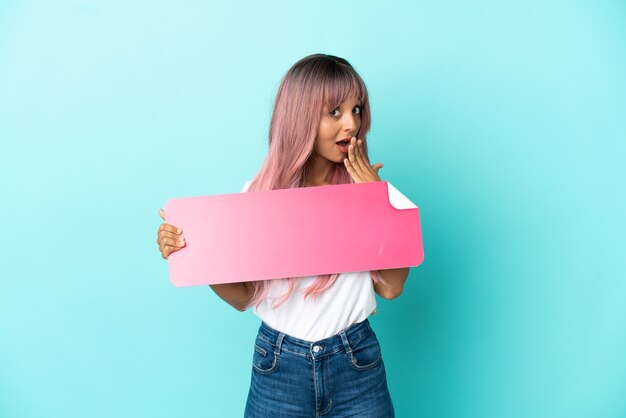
316	349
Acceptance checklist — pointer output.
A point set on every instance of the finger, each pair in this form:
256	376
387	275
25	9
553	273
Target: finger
354	159
349	162
167	234
352	154
350	168
372	172
175	246
172	242
362	158
163	242
357	148
170	228
361	151
162	214
166	251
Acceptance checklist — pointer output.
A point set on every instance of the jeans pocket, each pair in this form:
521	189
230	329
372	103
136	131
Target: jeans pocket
366	353
264	359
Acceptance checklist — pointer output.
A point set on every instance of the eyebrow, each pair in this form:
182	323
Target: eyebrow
358	104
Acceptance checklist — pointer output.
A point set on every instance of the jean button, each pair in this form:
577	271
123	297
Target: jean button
316	348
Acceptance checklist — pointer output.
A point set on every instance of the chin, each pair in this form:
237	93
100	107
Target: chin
333	157
338	158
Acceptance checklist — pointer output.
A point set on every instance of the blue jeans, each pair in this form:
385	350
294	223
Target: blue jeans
339	376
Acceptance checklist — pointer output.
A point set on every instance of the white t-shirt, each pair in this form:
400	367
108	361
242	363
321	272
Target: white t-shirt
348	301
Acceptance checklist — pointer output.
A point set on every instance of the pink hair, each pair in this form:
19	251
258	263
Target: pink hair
303	90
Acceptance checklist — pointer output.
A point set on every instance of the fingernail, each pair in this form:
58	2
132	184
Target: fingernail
178	230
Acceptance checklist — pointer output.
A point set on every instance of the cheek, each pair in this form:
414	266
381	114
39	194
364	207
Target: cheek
326	132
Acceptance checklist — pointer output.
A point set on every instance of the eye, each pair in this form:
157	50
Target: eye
356	110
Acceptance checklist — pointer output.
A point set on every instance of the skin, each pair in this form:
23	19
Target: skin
169	237
336	124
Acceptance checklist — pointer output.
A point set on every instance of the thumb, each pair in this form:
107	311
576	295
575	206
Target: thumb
162	214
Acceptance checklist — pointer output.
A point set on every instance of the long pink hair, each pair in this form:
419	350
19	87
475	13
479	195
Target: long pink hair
293	130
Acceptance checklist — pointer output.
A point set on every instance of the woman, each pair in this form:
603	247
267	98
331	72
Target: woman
315	353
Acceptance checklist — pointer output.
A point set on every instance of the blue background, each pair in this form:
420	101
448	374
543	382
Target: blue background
504	123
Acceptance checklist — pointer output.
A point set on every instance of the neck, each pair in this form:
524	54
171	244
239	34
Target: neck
318	172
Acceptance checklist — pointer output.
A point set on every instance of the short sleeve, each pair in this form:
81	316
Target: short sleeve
245	186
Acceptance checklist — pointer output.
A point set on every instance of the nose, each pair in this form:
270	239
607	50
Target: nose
350	123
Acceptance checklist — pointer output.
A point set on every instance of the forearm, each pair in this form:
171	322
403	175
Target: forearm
236	295
395	279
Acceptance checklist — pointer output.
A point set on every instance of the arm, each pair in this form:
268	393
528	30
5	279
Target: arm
395	279
236	295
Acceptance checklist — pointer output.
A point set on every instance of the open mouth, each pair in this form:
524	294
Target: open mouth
343	146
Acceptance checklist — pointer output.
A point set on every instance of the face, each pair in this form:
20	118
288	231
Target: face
337	124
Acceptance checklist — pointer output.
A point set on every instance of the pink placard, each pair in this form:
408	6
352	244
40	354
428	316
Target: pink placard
293	233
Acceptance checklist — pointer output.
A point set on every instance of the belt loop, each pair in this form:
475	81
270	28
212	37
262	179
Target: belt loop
346	344
279	343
